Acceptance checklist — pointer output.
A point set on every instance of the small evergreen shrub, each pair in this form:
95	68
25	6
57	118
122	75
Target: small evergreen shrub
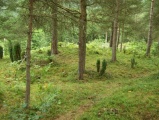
104	65
17	52
98	65
1	52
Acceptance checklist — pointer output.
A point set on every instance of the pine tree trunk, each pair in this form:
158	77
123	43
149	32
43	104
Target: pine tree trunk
122	38
149	43
54	46
28	54
106	37
115	32
82	38
112	32
118	36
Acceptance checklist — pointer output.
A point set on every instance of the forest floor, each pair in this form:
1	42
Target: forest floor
122	93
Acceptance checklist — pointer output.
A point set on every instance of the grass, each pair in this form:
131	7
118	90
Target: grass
136	100
121	93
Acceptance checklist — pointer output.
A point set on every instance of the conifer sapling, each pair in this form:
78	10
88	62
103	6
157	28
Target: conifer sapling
98	65
104	65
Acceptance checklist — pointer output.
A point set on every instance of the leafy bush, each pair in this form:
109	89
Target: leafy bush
155	49
48	98
1	52
20	113
137	48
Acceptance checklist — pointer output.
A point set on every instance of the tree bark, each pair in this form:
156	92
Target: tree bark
82	38
111	38
115	31
118	36
149	43
106	37
28	55
122	38
54	46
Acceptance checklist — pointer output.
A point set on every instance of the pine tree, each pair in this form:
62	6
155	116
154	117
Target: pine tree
104	65
98	65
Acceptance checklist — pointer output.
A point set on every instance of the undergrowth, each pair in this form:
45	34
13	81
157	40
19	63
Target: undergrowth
120	93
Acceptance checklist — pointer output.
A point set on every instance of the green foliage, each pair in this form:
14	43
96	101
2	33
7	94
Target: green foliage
98	65
104	65
155	49
47	99
39	39
48	102
96	46
1	52
17	52
20	113
137	48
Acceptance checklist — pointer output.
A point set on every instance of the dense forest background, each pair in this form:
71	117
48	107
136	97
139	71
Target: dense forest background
53	46
133	20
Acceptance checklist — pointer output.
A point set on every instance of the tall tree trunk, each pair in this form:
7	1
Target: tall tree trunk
118	36
82	38
54	46
106	37
111	37
122	38
28	54
149	43
115	31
